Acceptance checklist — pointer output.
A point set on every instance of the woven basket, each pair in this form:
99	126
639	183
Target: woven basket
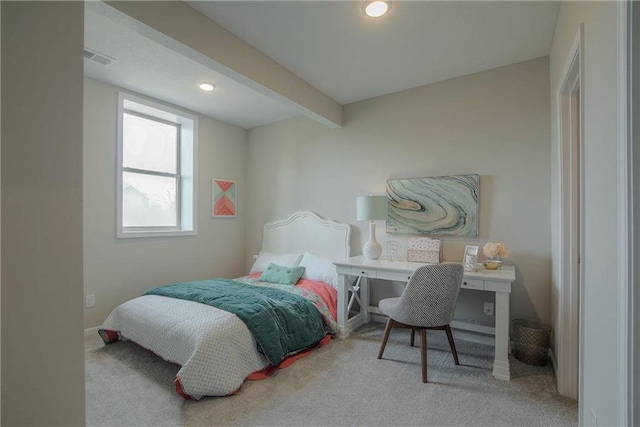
531	341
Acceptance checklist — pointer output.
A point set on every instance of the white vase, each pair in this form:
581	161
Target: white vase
372	249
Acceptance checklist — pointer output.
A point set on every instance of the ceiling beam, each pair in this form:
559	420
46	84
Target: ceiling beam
176	25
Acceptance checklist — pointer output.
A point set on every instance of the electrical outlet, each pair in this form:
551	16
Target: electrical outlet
488	308
594	418
89	301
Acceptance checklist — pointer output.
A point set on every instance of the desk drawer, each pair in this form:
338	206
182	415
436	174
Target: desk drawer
472	284
341	269
495	286
364	272
396	276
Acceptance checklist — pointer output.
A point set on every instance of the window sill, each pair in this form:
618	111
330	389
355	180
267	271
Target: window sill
155	233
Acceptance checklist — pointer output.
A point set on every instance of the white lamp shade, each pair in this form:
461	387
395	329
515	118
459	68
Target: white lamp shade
371	208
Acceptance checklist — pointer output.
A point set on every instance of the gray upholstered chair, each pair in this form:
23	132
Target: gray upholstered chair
427	302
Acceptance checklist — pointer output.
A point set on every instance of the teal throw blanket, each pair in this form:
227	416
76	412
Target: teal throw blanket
281	322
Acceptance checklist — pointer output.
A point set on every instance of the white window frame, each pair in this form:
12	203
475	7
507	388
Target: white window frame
186	189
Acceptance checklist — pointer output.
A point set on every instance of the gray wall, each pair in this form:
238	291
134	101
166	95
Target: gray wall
600	353
494	123
0	215
42	338
116	270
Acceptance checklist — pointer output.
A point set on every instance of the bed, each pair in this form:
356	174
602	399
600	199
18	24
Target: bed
217	351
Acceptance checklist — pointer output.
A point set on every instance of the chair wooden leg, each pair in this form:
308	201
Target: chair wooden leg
423	353
452	344
387	331
413	333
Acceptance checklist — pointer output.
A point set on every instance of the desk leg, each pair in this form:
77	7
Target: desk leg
343	301
501	362
364	299
346	324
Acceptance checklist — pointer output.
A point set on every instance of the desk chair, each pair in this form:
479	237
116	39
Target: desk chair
427	302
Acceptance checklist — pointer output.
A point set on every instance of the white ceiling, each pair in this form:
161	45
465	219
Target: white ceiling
351	57
330	44
149	68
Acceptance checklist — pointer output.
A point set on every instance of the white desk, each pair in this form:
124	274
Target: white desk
497	281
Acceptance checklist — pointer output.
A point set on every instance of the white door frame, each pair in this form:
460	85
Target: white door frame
628	231
634	142
569	97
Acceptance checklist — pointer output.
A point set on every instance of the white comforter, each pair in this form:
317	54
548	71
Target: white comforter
194	336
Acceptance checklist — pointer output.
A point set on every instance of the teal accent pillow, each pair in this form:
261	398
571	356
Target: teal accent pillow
283	275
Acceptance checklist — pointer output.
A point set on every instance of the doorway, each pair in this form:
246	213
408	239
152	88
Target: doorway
570	101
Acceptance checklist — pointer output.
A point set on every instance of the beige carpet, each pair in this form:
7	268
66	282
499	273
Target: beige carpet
341	384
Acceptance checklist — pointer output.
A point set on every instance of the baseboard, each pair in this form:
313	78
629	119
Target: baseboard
91	331
473	337
378	318
458	334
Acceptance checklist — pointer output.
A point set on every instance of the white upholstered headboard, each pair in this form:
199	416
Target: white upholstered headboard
306	231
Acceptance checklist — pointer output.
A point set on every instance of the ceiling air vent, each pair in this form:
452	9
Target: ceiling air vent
98	57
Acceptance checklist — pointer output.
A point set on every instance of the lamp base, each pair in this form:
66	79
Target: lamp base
372	249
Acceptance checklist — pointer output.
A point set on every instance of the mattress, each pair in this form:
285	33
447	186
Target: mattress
214	348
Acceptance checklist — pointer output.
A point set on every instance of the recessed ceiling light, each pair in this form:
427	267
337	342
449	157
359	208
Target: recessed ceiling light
207	87
377	8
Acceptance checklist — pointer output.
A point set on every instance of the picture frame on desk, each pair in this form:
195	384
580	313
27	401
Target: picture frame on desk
469	250
470	258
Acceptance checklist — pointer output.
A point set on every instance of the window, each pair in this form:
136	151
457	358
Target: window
156	169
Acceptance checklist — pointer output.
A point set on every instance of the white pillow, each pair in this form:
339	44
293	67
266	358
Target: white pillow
319	268
265	258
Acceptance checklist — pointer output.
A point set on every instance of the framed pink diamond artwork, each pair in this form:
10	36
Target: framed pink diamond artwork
224	198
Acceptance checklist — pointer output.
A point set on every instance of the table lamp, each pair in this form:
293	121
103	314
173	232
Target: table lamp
371	208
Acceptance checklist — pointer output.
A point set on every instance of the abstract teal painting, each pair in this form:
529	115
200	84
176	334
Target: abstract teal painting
438	206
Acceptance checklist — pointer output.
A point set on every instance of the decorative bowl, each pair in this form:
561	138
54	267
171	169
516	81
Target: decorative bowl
492	264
